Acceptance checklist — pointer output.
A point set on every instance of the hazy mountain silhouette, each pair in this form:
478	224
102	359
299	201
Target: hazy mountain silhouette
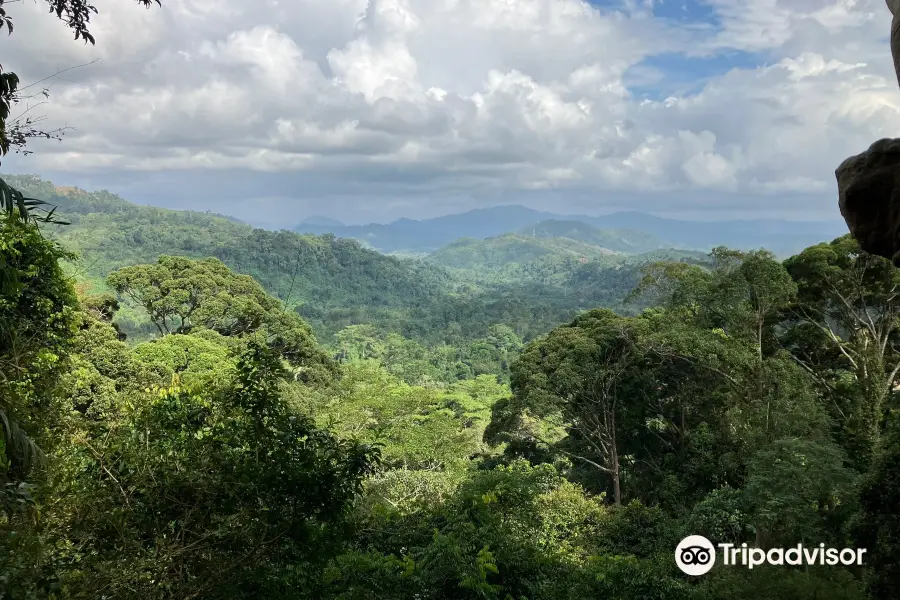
427	235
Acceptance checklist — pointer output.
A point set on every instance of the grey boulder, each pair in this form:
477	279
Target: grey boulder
869	198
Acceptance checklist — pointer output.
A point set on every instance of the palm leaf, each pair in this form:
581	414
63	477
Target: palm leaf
16	205
22	452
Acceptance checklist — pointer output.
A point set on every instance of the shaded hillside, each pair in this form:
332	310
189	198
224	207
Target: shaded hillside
667	255
784	238
618	240
317	273
510	249
552	250
428	235
530	284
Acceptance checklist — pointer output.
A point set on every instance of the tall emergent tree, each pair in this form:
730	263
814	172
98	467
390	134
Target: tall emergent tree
181	295
845	333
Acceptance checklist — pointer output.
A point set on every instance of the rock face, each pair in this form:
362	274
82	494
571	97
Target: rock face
869	183
869	198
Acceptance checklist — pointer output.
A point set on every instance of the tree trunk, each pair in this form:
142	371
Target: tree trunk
614	467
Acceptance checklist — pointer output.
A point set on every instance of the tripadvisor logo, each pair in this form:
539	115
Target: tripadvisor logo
696	555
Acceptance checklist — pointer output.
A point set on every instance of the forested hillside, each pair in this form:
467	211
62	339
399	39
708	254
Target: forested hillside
630	241
107	232
547	240
511	249
335	283
499	404
232	456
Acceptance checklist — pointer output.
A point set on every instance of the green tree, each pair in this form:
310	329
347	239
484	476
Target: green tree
585	372
845	329
419	427
229	496
792	488
37	321
878	529
744	294
194	359
181	294
632	395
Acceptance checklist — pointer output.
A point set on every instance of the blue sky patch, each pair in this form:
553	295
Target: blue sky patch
669	74
674	73
681	11
686	11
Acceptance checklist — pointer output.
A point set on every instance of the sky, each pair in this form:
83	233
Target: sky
276	110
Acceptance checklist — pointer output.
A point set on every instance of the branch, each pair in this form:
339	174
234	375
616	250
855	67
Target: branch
827	330
892	377
669	354
572	455
99	458
60	72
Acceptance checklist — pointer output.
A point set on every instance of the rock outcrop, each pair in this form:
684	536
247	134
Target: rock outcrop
869	198
869	183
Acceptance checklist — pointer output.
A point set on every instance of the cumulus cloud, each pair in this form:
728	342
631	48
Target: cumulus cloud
431	105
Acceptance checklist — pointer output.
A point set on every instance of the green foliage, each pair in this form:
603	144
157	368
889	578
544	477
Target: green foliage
625	577
512	249
634	395
878	529
396	494
37	320
844	331
514	532
180	294
778	583
14	205
195	360
420	427
446	451
210	496
792	486
635	529
723	515
434	365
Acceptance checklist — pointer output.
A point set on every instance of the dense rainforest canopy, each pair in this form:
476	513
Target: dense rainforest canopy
525	441
192	409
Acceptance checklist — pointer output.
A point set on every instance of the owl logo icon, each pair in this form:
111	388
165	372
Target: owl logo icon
695	555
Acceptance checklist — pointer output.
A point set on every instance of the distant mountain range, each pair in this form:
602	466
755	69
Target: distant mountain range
407	235
532	280
511	249
320	221
557	239
630	241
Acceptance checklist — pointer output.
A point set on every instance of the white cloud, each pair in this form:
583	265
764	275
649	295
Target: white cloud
382	97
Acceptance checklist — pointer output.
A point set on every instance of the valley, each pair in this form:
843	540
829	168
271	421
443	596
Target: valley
539	413
415	300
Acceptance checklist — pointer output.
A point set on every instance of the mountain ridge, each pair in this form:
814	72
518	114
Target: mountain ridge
631	241
783	237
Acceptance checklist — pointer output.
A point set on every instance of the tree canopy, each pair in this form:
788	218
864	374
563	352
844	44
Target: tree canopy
228	453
